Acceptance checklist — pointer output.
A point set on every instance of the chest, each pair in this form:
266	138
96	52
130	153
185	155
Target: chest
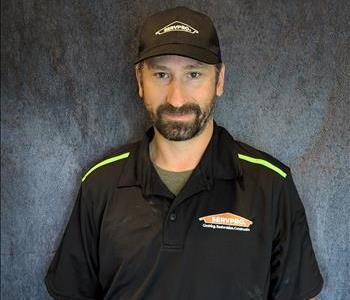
217	231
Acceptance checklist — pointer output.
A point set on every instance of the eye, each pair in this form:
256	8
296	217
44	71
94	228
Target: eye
194	75
161	75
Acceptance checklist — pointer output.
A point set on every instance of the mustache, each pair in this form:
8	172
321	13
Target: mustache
182	110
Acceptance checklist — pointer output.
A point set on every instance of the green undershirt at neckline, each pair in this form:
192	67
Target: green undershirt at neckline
174	181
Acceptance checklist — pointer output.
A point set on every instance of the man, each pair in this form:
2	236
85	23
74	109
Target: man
188	212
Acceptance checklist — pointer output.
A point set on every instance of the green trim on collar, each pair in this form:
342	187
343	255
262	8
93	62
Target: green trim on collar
262	162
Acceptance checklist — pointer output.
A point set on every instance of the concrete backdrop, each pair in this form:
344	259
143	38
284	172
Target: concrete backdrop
68	97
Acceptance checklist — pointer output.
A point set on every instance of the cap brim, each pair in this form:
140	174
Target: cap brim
200	54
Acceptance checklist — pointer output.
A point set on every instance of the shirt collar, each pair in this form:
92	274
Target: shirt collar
219	161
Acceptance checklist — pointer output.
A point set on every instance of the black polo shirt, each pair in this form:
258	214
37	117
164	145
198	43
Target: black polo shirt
237	230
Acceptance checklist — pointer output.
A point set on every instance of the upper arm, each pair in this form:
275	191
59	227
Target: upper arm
294	270
73	272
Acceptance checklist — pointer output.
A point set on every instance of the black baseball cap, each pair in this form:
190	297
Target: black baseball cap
181	31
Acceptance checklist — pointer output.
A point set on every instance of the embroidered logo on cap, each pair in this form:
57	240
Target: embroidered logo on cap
177	26
226	221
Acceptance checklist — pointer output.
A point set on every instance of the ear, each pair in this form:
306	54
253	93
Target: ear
138	74
220	83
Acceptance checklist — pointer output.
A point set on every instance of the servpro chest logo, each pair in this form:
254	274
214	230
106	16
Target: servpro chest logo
226	221
177	26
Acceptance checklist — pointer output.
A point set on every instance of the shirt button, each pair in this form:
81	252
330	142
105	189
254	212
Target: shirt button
173	217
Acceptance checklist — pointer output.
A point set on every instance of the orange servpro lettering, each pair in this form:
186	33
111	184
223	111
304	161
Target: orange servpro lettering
228	219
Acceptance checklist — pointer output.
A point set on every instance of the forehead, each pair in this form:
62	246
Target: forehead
175	60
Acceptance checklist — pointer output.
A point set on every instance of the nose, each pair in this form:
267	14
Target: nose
175	95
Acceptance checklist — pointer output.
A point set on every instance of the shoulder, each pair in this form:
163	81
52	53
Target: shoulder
260	164
107	170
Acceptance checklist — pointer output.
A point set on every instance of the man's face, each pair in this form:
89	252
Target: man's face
179	94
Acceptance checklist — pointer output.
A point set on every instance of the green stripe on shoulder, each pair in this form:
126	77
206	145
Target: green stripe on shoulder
262	162
105	162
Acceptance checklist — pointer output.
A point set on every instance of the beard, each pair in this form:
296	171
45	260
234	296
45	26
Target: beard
181	130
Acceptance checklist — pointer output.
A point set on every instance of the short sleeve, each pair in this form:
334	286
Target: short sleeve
73	272
295	274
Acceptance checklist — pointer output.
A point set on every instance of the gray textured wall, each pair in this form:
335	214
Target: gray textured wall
68	97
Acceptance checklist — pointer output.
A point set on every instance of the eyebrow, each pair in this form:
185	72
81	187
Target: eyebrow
198	65
156	66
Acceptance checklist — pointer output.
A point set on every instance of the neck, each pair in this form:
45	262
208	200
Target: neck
180	156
